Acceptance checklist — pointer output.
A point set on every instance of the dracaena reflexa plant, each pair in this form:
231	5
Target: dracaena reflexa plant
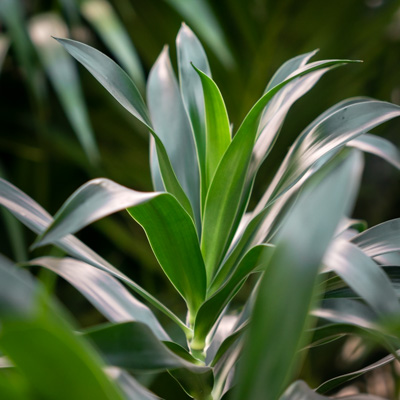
319	275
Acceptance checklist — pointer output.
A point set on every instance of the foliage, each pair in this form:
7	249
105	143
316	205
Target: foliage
209	243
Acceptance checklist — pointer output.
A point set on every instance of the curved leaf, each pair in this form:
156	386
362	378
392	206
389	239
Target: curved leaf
166	223
172	125
265	201
218	134
225	192
379	146
288	67
103	291
37	219
121	87
338	380
190	50
364	276
329	135
380	239
346	311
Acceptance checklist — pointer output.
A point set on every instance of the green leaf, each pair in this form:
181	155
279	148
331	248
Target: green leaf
265	200
218	134
37	219
172	125
64	78
277	109
338	380
380	239
36	337
379	146
364	276
173	238
167	226
300	391
288	67
121	87
285	293
225	192
111	76
331	134
133	346
190	51
105	292
105	21
346	311
255	259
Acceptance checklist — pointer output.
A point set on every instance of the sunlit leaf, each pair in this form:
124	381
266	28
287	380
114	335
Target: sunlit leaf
380	239
121	87
172	125
190	51
364	276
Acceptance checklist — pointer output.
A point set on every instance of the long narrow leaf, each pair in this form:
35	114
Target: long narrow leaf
380	239
364	276
379	146
290	279
190	51
103	291
172	125
121	87
224	195
331	134
37	219
166	223
218	134
338	380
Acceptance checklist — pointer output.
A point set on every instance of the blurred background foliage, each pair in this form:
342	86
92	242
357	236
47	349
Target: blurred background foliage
59	128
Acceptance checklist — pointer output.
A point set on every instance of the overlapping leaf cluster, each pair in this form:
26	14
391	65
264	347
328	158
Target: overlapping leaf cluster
208	242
